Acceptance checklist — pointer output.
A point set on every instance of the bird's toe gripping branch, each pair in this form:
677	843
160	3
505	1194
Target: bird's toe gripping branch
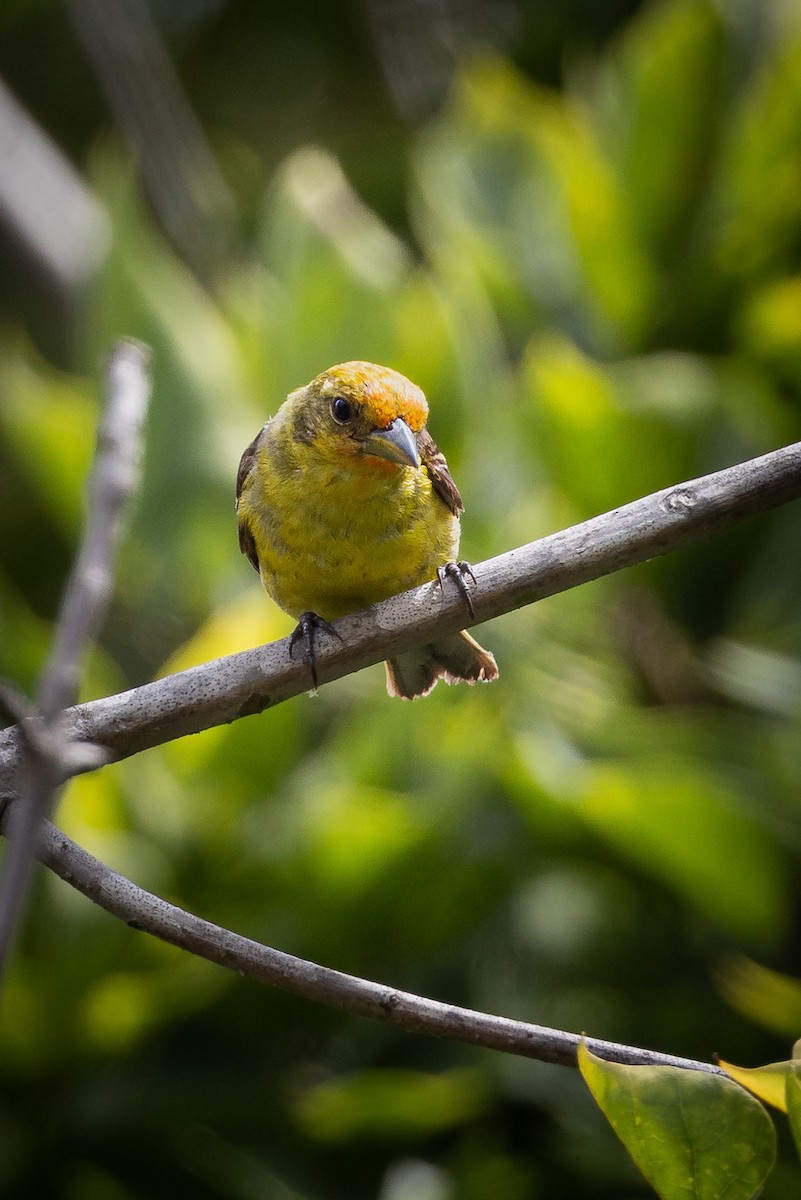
308	626
459	572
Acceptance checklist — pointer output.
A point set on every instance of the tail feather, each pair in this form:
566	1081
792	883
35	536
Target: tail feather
455	658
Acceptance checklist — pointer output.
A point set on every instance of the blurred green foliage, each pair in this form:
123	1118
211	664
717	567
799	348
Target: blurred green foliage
599	289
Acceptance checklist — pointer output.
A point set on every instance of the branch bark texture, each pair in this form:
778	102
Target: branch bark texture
243	684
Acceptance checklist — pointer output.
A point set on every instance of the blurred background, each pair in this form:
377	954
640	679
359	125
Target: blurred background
578	228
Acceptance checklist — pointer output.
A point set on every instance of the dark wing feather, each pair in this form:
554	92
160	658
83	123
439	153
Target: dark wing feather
434	462
246	542
246	461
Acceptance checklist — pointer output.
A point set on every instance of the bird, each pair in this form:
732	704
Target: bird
343	500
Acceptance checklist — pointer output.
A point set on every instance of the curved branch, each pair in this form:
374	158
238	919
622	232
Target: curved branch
246	683
243	684
379	1002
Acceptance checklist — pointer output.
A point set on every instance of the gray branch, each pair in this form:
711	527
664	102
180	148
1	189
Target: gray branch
114	478
250	682
45	738
361	997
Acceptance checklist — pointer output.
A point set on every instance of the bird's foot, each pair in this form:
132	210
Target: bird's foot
308	626
459	572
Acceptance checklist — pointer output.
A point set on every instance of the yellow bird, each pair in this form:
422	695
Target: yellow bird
343	499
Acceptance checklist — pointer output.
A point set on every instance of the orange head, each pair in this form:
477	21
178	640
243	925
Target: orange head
361	409
381	393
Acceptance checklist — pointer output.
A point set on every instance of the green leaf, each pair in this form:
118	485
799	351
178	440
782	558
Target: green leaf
778	1084
694	1135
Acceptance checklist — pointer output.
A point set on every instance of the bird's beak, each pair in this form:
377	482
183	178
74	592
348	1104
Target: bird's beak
396	443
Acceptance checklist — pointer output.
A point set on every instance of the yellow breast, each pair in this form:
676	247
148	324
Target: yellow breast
333	536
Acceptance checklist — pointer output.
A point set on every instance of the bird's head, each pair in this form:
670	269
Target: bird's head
358	409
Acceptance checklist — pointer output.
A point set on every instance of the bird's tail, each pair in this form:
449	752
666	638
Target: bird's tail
455	658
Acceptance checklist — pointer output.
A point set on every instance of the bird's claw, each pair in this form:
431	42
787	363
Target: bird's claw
308	626
459	572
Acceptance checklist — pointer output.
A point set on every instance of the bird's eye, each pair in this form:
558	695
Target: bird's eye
341	410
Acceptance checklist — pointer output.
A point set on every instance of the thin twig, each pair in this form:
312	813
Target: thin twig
50	752
416	1014
247	683
114	477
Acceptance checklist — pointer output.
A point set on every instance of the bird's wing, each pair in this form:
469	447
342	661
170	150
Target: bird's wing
247	543
434	462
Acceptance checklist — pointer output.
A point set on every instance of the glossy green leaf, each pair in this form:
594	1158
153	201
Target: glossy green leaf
694	1135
